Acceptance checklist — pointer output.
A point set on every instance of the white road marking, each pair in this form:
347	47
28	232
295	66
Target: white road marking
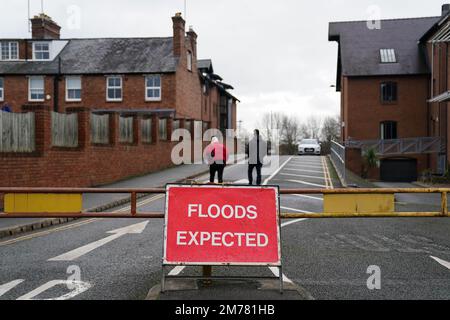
441	262
296	210
291	222
10	285
243	181
276	171
306	166
307	183
75	254
43	233
301	170
307	197
176	271
302	176
79	286
276	272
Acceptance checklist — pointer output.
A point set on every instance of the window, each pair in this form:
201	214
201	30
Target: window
388	92
73	89
9	51
114	89
153	88
2	89
388	130
189	61
388	56
36	89
41	50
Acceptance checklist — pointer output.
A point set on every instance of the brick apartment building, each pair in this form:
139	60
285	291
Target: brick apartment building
394	93
155	79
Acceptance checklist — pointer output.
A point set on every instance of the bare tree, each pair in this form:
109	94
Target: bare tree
331	130
269	122
290	133
310	129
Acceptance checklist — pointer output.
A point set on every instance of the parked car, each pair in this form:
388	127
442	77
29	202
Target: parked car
309	146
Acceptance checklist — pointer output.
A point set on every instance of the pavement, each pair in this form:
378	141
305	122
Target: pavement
100	202
120	259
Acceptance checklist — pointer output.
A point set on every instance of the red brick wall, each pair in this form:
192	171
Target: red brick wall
363	110
87	165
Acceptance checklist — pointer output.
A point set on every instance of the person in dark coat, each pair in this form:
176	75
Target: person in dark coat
256	151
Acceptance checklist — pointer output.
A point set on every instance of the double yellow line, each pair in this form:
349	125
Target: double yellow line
326	174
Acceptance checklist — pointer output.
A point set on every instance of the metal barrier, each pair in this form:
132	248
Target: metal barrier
360	196
338	159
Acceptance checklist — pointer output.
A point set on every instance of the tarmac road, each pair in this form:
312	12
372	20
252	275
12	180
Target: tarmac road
325	259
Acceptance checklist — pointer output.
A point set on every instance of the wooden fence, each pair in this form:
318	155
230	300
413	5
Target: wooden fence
17	132
162	129
64	130
99	128
146	128
126	129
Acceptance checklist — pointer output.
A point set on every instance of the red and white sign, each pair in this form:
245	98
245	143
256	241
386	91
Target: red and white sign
216	225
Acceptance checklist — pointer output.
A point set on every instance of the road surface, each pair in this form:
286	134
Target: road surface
327	259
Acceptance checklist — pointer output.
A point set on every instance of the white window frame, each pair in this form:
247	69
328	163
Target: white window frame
147	98
35	51
67	89
2	89
9	50
114	87
43	88
189	60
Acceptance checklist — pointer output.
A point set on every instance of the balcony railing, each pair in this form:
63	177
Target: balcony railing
421	145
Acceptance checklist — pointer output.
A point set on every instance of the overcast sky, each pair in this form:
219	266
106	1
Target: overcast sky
275	53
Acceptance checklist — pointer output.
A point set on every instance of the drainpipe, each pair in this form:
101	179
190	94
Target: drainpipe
56	87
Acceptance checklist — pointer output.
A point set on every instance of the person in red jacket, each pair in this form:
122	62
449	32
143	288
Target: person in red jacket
216	155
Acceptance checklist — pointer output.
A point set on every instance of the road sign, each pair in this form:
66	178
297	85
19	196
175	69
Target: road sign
222	225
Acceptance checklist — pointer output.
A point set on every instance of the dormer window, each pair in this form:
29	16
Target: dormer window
41	51
9	50
388	56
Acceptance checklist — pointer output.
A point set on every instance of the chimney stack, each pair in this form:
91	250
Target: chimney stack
192	35
43	27
445	9
179	33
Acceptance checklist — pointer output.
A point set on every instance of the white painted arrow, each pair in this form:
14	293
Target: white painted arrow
442	262
75	254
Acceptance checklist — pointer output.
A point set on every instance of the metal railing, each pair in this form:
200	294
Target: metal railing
419	145
149	215
337	157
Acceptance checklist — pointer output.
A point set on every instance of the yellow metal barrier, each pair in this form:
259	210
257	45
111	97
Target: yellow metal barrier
338	203
41	202
359	203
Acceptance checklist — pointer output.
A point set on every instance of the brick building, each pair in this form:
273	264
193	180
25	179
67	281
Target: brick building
384	75
157	82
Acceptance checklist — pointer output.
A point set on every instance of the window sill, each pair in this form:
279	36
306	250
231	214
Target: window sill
121	100
31	101
153	100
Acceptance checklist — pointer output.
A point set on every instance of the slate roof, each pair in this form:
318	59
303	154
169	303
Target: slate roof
360	46
205	64
104	56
